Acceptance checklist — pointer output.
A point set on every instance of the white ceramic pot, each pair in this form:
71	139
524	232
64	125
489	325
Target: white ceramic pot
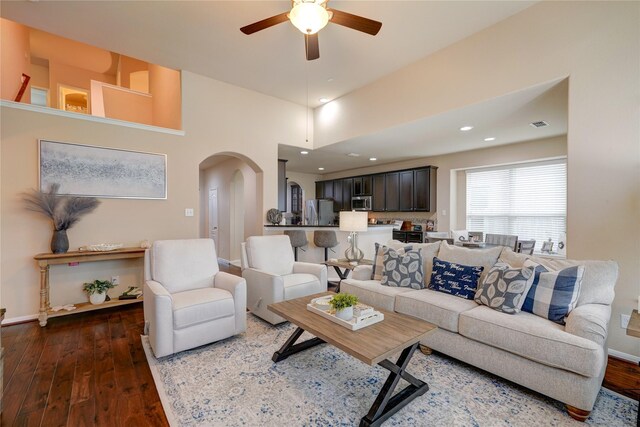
345	313
97	299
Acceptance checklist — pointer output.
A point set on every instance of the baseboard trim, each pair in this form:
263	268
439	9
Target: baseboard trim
624	356
19	319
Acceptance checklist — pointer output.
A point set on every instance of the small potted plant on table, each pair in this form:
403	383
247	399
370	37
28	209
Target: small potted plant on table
343	305
97	290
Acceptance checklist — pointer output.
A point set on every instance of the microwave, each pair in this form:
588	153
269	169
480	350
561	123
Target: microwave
361	203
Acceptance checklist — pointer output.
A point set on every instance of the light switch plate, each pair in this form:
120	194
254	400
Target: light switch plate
624	321
188	212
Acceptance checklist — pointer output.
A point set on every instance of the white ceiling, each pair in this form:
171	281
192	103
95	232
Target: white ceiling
506	118
204	37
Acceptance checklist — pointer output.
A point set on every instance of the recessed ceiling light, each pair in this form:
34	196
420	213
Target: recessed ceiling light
323	100
490	139
353	155
466	128
373	159
304	152
320	169
330	79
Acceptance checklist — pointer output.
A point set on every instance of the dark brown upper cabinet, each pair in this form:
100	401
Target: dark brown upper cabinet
406	191
378	193
392	192
347	189
424	198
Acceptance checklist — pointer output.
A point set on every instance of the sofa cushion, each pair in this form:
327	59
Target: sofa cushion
465	256
300	284
505	288
181	265
455	279
272	254
553	294
402	269
429	250
201	305
441	309
534	338
371	292
598	281
378	258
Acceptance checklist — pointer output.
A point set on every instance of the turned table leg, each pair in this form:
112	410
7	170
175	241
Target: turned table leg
577	414
44	293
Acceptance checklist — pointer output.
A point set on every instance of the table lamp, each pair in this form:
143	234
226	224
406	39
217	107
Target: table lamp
353	222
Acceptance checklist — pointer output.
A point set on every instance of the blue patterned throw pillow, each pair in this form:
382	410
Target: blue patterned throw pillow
554	293
402	269
376	271
455	279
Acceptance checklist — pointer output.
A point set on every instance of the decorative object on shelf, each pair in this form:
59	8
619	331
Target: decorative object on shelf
97	290
343	305
64	212
274	216
145	244
353	222
68	307
133	292
102	247
547	246
84	170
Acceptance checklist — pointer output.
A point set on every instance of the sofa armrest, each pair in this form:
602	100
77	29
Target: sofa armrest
590	321
362	272
263	288
318	270
158	312
237	286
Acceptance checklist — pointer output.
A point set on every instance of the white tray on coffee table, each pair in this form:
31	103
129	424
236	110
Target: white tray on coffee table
354	324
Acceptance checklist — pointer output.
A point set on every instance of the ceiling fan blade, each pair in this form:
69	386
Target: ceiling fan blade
311	46
265	23
355	22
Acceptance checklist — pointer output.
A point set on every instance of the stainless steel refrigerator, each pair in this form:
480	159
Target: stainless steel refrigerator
320	212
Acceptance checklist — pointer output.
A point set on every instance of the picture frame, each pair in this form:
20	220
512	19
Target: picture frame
103	172
547	247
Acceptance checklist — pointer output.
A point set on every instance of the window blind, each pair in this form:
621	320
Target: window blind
527	200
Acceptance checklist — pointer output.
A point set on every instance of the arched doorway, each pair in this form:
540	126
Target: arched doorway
236	183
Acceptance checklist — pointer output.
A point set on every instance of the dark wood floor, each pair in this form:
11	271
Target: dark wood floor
90	369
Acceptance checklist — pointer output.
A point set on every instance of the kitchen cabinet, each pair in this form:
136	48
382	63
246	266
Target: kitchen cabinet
378	193
392	192
337	195
406	191
328	190
408	236
319	190
347	189
362	185
282	185
425	189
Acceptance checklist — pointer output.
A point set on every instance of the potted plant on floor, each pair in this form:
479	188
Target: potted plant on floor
343	305
97	290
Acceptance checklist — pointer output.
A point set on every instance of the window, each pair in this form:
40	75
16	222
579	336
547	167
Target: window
527	200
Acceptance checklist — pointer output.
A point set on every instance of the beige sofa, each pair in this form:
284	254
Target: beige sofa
566	363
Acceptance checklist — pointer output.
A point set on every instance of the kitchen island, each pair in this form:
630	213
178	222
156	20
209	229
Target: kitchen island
379	233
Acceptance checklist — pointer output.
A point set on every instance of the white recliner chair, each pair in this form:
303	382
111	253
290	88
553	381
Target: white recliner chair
272	275
188	302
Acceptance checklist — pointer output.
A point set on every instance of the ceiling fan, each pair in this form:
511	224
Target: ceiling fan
310	16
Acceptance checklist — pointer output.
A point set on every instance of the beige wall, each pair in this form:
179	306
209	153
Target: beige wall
127	105
595	44
15	60
220	176
39	76
62	74
126	66
164	86
219	118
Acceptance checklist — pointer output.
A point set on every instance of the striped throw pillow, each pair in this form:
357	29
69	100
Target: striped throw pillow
553	294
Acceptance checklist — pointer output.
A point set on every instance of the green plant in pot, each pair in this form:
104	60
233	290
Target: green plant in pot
343	305
97	290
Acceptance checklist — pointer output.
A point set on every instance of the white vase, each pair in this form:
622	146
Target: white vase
97	299
345	313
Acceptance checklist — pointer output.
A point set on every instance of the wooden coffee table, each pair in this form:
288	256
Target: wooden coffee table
397	333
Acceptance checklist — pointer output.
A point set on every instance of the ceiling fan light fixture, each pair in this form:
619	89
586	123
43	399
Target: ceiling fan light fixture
309	17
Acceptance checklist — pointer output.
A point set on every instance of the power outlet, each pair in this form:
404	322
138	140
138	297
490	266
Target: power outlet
115	280
624	321
188	212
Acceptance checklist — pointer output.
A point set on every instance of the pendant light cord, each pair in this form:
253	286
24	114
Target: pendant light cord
306	68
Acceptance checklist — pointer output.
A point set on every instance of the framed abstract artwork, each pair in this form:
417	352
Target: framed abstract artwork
85	170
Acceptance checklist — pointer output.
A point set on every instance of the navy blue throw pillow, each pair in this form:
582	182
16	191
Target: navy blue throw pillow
455	279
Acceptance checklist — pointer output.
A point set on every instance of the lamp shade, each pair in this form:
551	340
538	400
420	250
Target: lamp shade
309	17
353	221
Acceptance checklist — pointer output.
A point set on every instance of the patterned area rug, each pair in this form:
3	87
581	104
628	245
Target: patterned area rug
235	383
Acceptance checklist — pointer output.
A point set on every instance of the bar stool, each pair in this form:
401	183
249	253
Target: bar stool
298	240
325	239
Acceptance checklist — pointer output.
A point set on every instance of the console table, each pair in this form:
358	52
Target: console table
46	260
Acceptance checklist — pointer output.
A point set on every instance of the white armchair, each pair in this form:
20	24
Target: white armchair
188	302
272	275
